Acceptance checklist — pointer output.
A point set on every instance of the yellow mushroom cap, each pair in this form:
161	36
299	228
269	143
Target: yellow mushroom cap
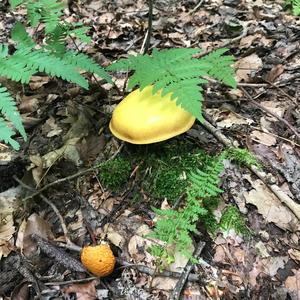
143	118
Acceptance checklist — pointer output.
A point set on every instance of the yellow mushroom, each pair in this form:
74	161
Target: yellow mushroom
143	118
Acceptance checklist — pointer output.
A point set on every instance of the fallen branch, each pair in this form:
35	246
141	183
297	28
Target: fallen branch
284	198
287	124
175	295
151	271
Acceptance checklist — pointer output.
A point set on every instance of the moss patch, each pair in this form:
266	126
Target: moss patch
115	173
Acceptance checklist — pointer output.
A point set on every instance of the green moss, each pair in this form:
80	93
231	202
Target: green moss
115	173
242	157
232	219
169	173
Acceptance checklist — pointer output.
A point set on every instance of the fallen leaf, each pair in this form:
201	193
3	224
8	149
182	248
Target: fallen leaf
292	283
246	65
83	291
263	138
274	73
270	207
7	229
294	254
34	225
68	151
164	283
226	118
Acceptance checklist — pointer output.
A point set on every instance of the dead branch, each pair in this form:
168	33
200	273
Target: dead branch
175	295
284	198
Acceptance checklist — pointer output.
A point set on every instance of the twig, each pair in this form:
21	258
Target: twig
175	295
151	271
54	208
284	198
283	92
45	187
242	84
275	135
146	42
58	255
72	281
272	113
196	7
78	174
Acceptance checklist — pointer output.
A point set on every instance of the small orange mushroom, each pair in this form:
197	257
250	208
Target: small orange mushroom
144	118
99	260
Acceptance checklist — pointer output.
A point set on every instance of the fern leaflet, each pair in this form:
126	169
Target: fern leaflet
84	62
174	227
177	71
9	111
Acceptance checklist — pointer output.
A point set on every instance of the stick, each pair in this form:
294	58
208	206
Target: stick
287	124
284	198
175	295
146	42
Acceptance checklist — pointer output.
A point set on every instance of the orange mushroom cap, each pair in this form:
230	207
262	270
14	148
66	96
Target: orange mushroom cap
144	118
99	260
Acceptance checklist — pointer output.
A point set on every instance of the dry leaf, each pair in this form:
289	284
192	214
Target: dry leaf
34	225
274	73
292	283
270	206
263	138
7	229
83	291
246	65
226	118
294	254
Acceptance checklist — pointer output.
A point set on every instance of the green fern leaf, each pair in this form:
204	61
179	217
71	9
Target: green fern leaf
52	12
80	32
3	51
9	110
221	66
205	182
177	71
20	36
15	3
56	40
46	11
84	62
6	134
34	15
39	60
296	7
13	69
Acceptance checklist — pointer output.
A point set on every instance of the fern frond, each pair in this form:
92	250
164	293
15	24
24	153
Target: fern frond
6	134
296	7
205	182
9	110
178	72
3	51
80	32
84	62
16	70
41	61
15	3
56	41
46	11
19	35
221	66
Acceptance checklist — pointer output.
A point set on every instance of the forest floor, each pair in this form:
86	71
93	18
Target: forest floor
68	133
